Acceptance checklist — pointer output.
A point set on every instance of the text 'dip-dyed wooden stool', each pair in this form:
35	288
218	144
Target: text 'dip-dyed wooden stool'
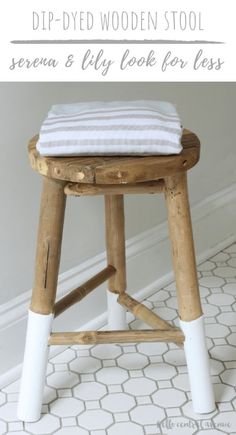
114	177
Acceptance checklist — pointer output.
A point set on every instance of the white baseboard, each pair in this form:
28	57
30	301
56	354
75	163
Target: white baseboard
149	252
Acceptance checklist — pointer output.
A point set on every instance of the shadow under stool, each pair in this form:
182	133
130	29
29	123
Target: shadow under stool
114	177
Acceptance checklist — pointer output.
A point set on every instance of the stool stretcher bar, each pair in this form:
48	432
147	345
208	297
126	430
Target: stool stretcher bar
97	337
143	313
80	189
79	293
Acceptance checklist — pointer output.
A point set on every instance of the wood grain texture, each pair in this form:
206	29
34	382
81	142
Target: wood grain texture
150	187
116	169
115	241
48	246
83	290
143	313
99	337
183	255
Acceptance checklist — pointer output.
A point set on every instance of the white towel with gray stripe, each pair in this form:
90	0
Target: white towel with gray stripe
143	127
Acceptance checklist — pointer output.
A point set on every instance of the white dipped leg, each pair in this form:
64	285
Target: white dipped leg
116	313
34	366
198	365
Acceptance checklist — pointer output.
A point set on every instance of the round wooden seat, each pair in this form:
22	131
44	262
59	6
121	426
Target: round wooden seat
116	169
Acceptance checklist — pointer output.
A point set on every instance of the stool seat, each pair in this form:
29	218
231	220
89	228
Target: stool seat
116	169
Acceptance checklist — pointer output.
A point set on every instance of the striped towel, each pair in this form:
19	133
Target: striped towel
111	128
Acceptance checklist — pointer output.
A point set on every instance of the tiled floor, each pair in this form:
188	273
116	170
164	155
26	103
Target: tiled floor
142	389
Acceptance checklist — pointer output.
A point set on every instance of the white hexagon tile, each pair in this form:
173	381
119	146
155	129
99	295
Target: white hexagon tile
142	389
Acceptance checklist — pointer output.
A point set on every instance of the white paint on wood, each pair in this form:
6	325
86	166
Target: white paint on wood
115	312
34	366
198	366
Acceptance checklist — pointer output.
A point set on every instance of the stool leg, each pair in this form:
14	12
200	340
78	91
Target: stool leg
190	311
115	242
44	292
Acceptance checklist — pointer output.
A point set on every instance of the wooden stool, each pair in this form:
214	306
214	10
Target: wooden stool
114	177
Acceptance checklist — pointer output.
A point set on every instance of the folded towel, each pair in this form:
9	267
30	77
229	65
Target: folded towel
111	128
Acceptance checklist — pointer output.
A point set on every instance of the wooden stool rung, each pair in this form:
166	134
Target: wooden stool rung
79	189
97	337
143	313
83	290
